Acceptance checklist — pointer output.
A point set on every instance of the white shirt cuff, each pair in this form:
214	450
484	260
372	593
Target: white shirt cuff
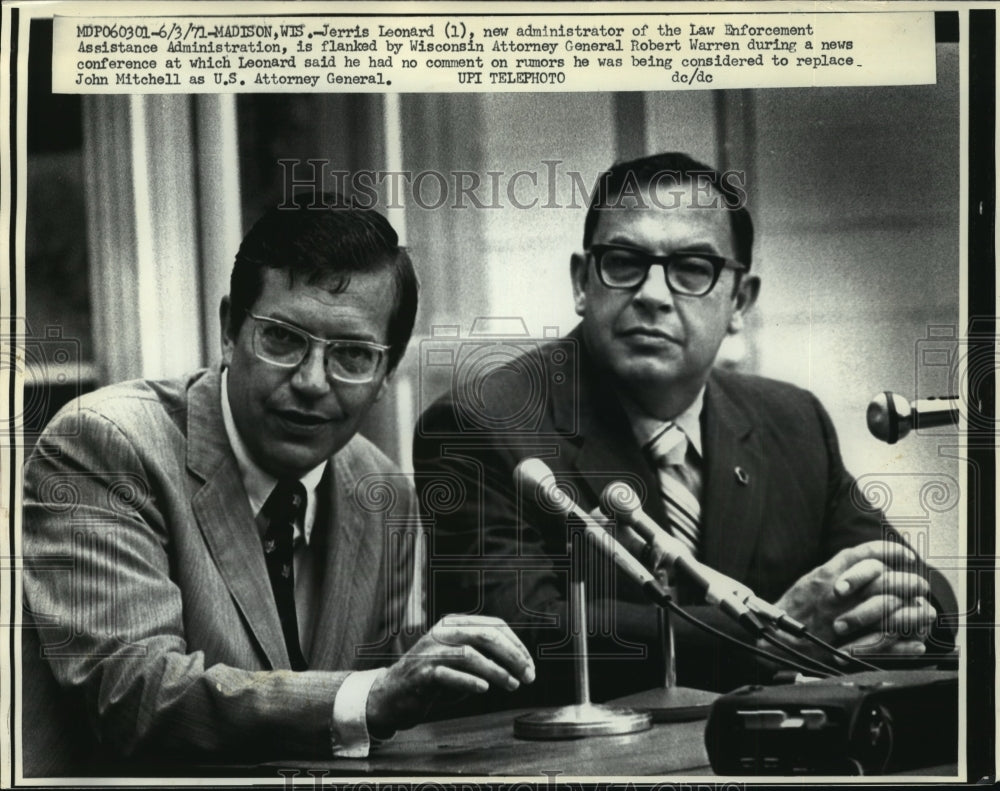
350	724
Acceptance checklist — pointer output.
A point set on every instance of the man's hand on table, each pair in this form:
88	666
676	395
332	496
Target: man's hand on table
460	655
865	601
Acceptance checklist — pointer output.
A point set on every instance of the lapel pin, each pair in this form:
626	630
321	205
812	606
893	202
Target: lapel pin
742	476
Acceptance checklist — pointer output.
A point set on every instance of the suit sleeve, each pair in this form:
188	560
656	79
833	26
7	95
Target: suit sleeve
112	620
849	521
840	519
480	549
497	553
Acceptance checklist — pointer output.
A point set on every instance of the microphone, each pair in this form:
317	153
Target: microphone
891	417
535	476
619	500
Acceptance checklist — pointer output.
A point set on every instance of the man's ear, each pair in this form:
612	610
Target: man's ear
745	297
227	341
578	273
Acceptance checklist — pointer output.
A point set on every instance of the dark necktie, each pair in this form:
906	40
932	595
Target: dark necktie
283	507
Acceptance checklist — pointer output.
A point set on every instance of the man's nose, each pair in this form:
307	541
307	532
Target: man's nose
310	375
654	290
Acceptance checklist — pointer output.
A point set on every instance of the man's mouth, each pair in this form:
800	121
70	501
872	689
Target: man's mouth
302	420
649	335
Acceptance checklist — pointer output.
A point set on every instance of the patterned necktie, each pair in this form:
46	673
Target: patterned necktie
667	450
285	505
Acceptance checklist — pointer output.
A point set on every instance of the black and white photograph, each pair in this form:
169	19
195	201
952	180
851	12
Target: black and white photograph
652	439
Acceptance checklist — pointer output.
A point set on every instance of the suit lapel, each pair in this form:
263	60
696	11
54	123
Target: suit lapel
350	569
734	485
609	452
223	514
602	448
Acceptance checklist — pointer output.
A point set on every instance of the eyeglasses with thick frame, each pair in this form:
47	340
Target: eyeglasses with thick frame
690	273
286	346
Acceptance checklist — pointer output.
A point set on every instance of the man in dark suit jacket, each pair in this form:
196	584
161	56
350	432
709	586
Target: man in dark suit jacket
193	619
664	277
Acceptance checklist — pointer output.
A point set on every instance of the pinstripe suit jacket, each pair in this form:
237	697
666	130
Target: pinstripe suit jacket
148	584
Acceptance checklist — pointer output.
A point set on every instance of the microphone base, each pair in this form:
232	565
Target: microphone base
671	704
581	720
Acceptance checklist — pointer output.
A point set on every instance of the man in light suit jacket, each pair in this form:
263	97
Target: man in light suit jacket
199	618
663	278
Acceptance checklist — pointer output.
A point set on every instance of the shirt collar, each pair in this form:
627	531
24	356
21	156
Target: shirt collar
645	427
257	482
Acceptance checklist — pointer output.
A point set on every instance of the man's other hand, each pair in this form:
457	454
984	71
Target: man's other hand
461	654
866	600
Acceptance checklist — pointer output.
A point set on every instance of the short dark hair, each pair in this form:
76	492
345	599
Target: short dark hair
612	184
326	237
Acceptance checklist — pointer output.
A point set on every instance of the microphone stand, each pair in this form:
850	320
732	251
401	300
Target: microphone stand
582	718
670	703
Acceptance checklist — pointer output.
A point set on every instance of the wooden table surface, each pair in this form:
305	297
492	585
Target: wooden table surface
485	745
